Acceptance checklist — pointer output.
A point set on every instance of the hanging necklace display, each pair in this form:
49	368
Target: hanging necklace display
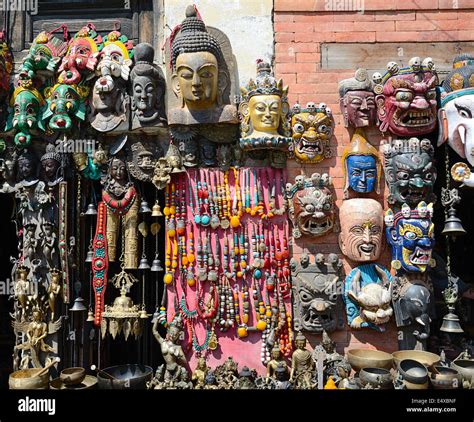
62	243
123	316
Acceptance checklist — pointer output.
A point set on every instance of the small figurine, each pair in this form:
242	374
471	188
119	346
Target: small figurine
200	373
275	362
302	365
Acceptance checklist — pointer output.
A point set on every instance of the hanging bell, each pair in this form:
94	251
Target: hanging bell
453	226
78	305
156	210
156	265
155	316
144	264
91	209
89	256
90	315
144	208
451	323
143	314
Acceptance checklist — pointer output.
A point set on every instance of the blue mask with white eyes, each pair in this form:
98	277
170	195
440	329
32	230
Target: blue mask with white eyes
362	173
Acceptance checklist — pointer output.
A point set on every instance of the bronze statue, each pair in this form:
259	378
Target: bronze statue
302	365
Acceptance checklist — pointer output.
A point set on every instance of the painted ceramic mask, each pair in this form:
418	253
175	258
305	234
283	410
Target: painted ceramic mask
44	55
411	237
200	77
362	167
361	235
81	58
25	118
406	98
265	112
312	131
316	295
311	206
357	100
367	296
410	171
115	61
64	104
456	116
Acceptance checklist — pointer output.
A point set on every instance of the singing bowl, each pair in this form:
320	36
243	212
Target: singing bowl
132	376
365	358
27	379
72	376
445	378
414	374
465	367
426	358
376	377
89	382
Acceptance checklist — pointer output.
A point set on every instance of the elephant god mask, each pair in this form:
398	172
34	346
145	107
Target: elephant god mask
411	236
311	206
64	103
357	100
455	116
265	112
367	296
82	55
362	167
25	116
200	78
317	294
361	234
312	131
406	98
410	171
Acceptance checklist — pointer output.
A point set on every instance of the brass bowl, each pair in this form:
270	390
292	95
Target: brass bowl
376	377
72	376
426	358
465	367
445	378
26	379
89	382
414	374
365	358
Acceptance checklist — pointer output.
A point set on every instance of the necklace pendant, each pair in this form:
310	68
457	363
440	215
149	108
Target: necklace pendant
205	220
215	222
224	223
212	276
202	274
213	342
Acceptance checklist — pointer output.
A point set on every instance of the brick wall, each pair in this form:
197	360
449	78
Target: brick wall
301	27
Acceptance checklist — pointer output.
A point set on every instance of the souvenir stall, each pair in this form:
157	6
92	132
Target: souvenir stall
156	218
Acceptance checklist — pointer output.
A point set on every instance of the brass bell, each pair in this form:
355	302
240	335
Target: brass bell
78	305
451	323
89	256
156	265
453	226
91	210
144	208
143	314
156	210
90	316
144	264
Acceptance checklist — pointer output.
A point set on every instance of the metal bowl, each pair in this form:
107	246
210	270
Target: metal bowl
465	367
72	376
26	379
365	358
132	376
376	377
413	372
445	378
89	382
426	358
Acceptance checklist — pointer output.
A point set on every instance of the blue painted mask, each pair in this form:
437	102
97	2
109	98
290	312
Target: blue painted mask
412	238
362	173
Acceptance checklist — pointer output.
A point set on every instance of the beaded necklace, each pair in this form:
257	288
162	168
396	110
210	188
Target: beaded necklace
191	280
181	208
237	203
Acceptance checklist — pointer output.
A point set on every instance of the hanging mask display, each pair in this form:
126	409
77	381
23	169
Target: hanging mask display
312	130
357	100
410	233
410	171
311	205
455	115
362	166
317	304
406	98
6	67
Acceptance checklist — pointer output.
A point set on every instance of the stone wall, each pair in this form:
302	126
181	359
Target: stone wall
313	37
